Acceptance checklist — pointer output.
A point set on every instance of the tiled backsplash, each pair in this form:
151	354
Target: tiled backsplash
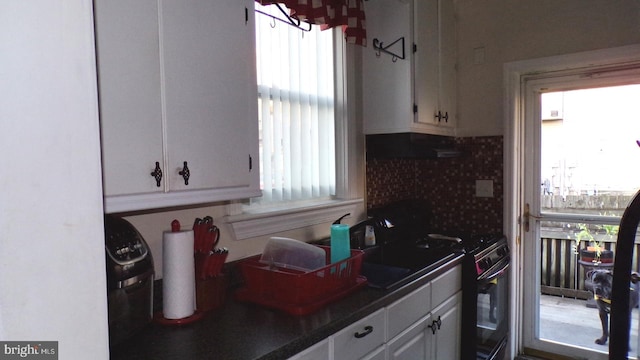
446	184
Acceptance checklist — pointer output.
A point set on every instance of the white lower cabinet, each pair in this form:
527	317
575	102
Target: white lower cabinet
360	339
425	324
435	336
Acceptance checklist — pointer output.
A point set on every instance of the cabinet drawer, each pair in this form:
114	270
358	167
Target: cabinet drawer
404	312
445	285
349	343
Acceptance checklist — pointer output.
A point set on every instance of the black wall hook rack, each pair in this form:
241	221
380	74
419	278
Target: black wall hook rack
381	48
291	21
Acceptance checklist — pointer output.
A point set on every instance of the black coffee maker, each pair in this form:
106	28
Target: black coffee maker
130	276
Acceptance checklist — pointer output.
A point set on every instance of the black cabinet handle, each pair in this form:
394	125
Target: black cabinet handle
435	325
367	330
440	116
157	173
185	173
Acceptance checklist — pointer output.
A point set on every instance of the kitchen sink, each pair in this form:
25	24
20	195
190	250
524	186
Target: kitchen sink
384	276
387	267
392	264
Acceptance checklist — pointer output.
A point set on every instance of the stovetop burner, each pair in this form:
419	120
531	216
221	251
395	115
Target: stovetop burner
476	243
438	242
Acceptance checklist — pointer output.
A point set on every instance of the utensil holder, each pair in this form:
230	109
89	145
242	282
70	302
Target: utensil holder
211	292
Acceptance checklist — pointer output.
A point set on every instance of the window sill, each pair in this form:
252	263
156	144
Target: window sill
272	221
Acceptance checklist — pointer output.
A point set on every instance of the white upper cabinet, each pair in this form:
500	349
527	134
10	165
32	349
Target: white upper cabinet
417	93
177	87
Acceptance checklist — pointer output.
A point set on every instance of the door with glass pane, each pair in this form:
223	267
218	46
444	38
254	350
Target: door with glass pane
582	166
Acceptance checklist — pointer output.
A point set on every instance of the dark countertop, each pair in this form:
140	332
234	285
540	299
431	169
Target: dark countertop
244	331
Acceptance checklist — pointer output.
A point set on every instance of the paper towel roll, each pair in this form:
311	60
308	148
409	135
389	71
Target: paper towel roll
178	284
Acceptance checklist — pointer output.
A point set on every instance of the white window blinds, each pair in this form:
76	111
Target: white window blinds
296	111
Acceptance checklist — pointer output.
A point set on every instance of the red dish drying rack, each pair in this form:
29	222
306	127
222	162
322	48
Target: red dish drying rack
299	292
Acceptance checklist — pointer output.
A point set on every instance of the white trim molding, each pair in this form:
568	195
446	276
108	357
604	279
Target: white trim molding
261	223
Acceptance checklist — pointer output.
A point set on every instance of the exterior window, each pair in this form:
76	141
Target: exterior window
296	103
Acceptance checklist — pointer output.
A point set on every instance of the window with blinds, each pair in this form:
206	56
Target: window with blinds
296	111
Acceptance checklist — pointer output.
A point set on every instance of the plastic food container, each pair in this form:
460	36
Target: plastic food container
292	254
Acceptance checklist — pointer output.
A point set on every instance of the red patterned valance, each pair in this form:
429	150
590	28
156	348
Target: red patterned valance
330	13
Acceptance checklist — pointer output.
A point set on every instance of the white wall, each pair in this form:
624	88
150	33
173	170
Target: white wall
525	29
52	271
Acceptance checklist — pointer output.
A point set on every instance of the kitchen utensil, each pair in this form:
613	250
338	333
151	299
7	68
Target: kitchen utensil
212	237
197	234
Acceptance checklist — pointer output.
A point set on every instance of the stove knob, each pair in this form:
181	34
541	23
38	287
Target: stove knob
503	251
485	263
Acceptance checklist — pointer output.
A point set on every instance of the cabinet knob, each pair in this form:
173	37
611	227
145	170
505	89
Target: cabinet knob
435	325
440	116
157	173
185	173
367	330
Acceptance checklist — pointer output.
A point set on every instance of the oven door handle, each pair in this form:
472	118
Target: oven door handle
495	274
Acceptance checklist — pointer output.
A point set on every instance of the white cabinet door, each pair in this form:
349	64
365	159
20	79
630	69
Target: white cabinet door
413	343
447	61
426	61
446	340
210	92
387	83
409	309
435	64
127	47
360	338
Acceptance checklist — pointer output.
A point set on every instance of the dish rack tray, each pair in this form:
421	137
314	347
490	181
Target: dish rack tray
300	292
